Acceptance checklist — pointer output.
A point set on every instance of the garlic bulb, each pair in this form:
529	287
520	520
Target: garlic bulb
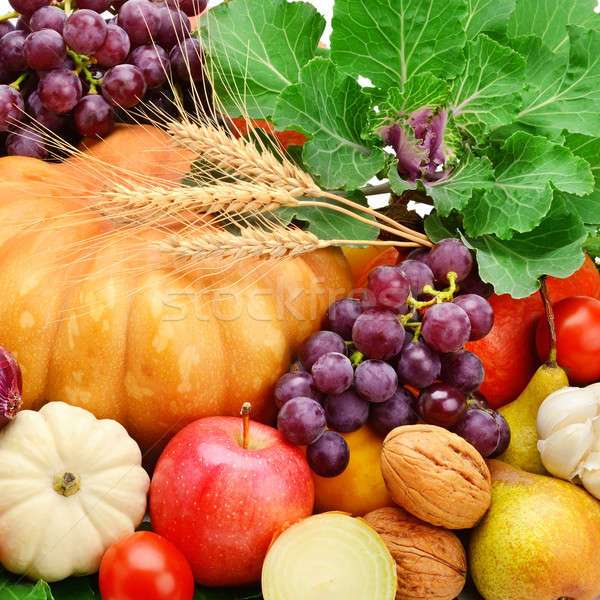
568	426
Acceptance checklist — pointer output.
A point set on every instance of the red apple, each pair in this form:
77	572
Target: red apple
220	503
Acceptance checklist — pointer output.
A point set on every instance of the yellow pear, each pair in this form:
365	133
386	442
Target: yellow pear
538	541
521	415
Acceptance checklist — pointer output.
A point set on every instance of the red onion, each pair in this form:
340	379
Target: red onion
11	386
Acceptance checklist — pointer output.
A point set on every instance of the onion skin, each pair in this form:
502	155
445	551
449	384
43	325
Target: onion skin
11	387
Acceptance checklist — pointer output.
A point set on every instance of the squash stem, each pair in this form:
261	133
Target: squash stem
66	483
245	412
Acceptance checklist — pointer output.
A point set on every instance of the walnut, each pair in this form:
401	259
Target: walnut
430	562
436	476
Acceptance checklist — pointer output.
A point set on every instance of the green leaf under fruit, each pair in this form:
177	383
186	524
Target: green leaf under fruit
522	195
548	19
563	95
488	94
455	192
13	587
390	42
330	108
488	16
552	248
256	48
328	224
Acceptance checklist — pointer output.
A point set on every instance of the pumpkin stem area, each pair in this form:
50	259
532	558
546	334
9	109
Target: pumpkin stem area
66	483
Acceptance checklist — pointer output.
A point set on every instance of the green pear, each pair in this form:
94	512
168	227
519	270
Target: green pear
538	541
521	415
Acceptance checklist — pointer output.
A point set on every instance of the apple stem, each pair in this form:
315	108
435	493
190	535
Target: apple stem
550	319
245	412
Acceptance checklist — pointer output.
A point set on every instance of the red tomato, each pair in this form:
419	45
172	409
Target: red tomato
577	338
145	566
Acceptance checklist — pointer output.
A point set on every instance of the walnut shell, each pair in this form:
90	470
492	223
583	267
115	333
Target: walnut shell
436	476
431	563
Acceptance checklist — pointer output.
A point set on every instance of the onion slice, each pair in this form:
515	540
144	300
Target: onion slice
333	556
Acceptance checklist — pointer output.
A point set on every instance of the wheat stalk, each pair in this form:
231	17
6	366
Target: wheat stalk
242	157
253	242
228	154
147	204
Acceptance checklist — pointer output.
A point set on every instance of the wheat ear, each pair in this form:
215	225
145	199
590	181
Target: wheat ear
242	157
253	242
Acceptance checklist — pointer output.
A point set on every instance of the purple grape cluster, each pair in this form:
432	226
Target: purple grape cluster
72	73
395	357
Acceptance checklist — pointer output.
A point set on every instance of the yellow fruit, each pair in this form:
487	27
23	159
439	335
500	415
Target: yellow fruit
521	415
360	488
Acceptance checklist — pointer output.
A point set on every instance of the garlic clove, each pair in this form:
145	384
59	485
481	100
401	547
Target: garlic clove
595	389
590	474
560	409
564	449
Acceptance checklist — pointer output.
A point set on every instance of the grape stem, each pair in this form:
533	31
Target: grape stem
17	82
356	358
245	412
11	15
82	63
66	5
550	319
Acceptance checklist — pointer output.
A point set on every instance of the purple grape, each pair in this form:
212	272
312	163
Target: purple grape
395	412
441	404
193	7
318	344
141	20
446	327
480	313
26	142
450	255
341	316
419	254
153	62
463	370
44	50
59	90
329	455
486	430
115	48
346	412
85	31
378	334
11	107
186	59
375	380
503	438
293	385
22	24
418	365
174	27
98	6
48	17
6	27
301	421
419	275
12	55
123	86
333	373
473	284
41	115
387	287
28	7
93	116
5	77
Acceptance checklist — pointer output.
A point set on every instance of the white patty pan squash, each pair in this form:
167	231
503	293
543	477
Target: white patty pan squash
70	486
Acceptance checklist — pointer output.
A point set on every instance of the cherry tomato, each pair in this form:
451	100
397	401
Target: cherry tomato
577	322
145	566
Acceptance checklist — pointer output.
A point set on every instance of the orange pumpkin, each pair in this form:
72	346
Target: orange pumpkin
155	348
